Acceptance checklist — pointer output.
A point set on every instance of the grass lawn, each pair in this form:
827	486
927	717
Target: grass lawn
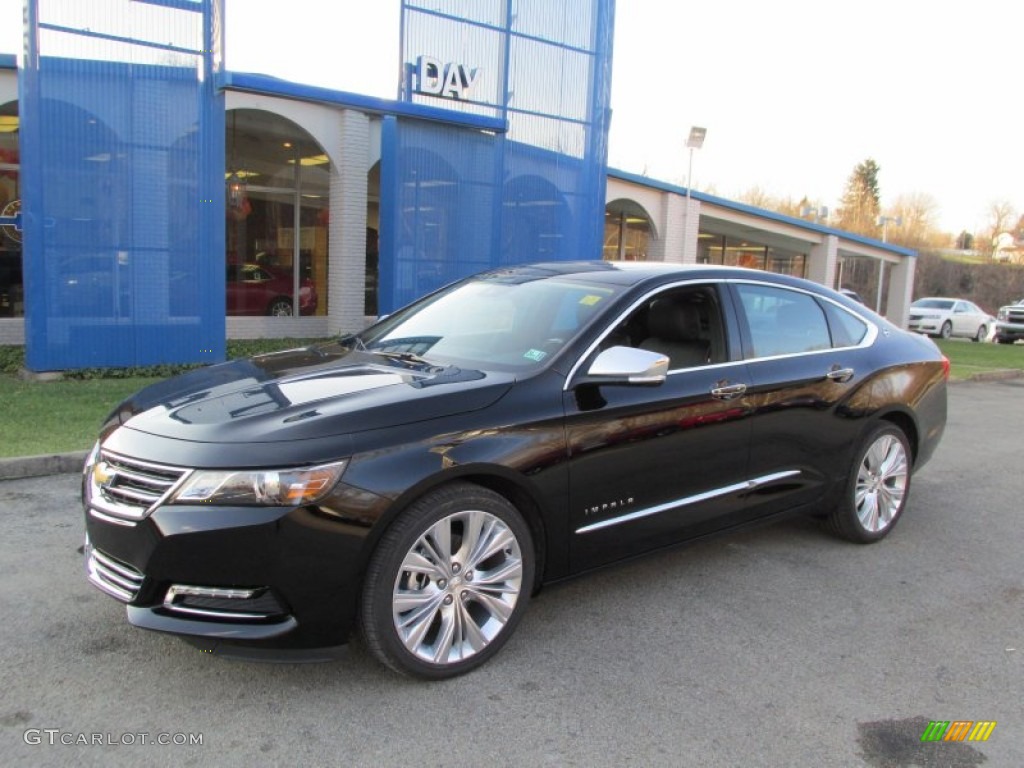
967	358
57	416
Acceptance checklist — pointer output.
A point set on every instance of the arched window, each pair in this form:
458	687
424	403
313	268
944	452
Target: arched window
12	294
627	231
278	184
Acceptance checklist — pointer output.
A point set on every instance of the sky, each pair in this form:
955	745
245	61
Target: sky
793	93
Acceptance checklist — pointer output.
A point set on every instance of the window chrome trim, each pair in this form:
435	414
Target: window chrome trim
629	310
869	338
747	485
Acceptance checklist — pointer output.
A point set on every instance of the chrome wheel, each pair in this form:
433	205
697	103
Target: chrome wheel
448	582
881	483
457	587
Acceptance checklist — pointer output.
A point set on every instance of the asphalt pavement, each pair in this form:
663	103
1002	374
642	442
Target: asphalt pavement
775	647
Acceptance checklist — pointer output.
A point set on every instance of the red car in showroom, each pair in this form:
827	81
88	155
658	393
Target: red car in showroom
256	289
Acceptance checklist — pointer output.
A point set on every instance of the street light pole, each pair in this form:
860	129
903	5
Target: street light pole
694	141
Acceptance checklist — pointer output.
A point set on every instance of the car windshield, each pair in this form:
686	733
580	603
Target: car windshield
933	304
501	321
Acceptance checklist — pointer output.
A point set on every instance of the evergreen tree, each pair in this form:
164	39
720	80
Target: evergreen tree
860	204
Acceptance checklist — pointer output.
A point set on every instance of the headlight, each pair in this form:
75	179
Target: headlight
90	460
263	487
1003	314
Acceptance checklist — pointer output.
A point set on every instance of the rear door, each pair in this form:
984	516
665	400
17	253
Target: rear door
805	356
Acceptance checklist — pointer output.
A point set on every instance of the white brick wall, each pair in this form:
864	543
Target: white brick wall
12	331
672	227
823	260
347	238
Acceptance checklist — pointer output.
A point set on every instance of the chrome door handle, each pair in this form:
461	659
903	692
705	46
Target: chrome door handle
842	375
728	391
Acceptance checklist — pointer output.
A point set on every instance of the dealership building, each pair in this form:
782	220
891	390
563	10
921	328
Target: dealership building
153	204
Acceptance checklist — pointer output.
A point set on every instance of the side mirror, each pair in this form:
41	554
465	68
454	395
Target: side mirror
627	365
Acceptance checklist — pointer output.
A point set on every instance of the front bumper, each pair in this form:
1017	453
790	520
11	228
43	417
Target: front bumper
931	327
1011	331
267	577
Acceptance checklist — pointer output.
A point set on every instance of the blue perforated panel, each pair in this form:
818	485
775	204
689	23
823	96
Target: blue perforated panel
122	160
463	200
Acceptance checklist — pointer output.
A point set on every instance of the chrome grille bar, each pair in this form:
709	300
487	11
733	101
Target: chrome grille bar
131	488
117	579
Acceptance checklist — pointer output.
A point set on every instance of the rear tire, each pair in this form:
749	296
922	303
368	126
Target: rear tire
877	488
448	583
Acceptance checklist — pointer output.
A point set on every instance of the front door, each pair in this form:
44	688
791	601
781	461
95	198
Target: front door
651	465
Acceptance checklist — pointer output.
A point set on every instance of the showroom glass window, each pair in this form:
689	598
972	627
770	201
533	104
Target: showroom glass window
627	231
12	295
278	183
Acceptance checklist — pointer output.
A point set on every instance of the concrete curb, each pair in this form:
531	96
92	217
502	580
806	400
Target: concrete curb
1003	375
38	466
61	463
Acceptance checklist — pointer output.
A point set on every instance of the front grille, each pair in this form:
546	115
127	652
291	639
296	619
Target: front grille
114	577
130	488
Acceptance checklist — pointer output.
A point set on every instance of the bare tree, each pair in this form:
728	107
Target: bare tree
1001	217
917	213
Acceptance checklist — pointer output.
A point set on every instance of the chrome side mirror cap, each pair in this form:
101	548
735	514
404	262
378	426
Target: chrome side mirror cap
628	365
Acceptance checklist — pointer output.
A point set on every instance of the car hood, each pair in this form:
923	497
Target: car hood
305	394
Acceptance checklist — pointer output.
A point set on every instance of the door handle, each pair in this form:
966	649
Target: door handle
841	375
728	391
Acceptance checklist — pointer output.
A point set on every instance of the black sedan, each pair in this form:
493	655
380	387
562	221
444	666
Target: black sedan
422	479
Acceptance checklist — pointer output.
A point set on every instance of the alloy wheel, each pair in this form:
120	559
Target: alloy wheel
457	587
881	483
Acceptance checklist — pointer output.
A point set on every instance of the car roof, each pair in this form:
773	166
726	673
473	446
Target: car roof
628	273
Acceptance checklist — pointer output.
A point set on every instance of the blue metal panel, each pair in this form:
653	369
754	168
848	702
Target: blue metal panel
468	200
122	155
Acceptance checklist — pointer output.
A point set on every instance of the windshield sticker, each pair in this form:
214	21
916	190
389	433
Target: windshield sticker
535	354
590	300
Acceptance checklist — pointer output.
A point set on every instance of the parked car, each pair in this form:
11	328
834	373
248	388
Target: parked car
423	478
942	317
851	294
1010	323
256	289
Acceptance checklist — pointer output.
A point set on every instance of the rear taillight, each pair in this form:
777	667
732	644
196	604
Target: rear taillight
945	367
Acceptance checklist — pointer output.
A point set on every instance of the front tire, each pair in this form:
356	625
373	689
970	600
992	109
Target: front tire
877	488
280	308
947	330
448	583
982	333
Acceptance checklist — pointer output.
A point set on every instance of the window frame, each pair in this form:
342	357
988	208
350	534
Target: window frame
747	339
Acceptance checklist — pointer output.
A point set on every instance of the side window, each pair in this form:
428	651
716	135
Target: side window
783	322
847	329
684	324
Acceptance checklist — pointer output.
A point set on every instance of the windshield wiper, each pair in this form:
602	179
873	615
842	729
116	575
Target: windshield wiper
353	341
405	357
